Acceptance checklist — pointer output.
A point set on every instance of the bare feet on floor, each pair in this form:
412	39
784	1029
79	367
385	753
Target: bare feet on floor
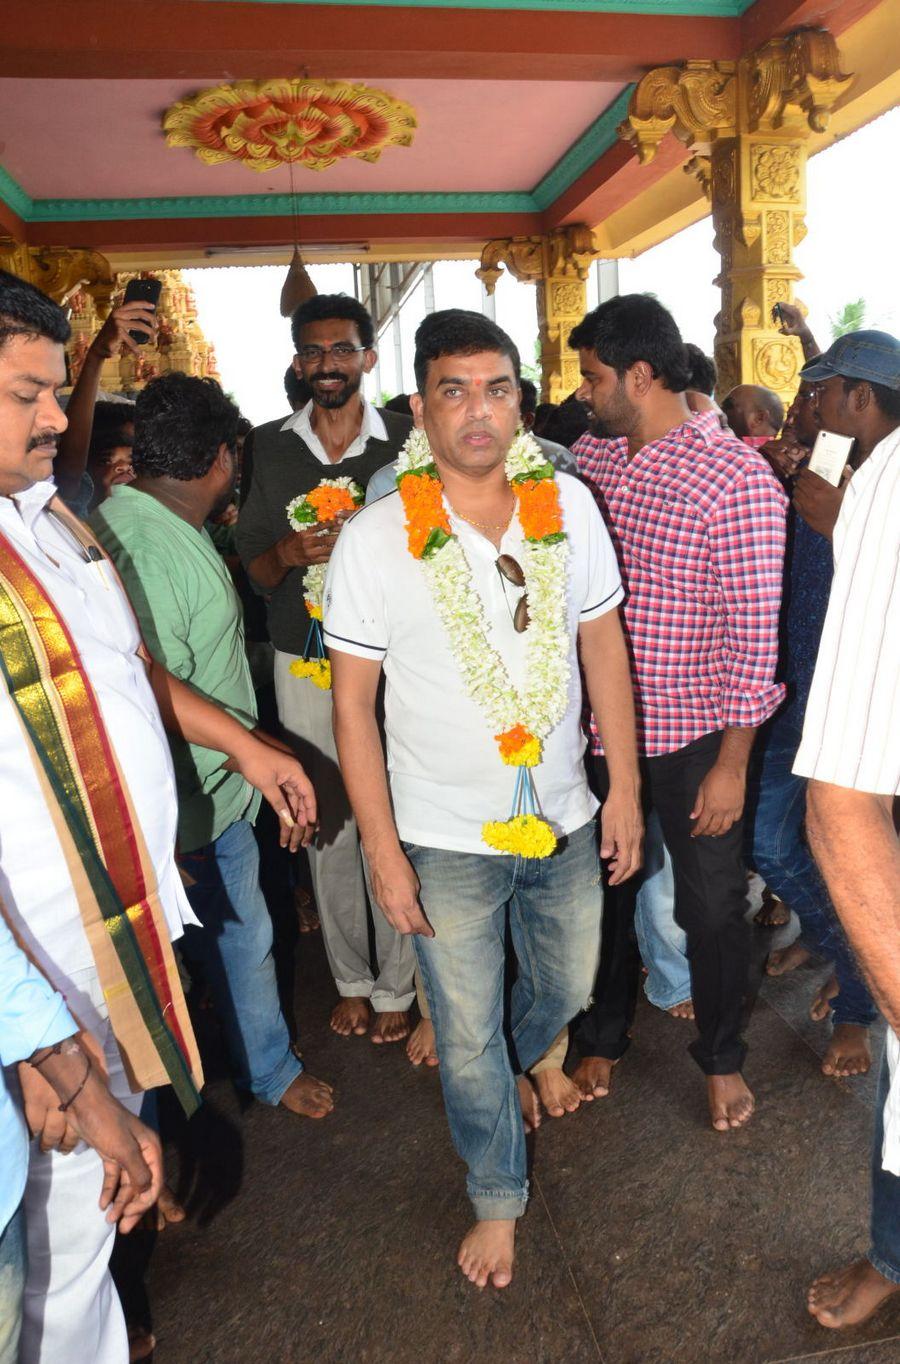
848	1051
168	1210
683	1010
849	1296
420	1047
309	1097
531	1112
787	959
392	1026
486	1253
557	1092
821	1005
352	1015
730	1102
141	1344
593	1076
772	913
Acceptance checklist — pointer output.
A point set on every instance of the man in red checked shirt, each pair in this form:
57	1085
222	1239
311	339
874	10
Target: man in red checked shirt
698	520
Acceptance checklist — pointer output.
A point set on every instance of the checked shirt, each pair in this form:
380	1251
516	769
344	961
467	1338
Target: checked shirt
698	522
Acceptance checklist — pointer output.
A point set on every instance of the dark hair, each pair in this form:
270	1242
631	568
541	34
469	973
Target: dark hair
180	423
887	399
323	307
702	378
244	427
528	405
25	311
108	430
456	331
566	423
635	327
400	404
298	390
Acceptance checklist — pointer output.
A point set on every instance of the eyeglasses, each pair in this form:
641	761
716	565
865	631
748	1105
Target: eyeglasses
341	350
511	570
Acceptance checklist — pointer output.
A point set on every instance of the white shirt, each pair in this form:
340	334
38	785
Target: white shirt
35	885
446	774
851	732
372	426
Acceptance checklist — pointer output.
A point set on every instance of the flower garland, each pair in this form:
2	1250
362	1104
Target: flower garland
323	503
523	718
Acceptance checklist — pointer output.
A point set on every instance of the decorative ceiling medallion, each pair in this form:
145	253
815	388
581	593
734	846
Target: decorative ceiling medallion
265	124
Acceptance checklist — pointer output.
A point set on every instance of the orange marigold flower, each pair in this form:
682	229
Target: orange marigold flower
424	508
327	502
513	739
539	511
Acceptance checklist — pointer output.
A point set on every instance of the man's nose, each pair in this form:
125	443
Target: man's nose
583	392
52	415
477	404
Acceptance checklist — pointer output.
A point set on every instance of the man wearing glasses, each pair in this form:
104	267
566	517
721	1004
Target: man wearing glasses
337	434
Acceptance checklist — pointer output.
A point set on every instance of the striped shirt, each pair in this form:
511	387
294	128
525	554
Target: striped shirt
698	521
851	736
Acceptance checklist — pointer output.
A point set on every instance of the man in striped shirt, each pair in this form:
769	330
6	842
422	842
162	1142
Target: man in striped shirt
698	520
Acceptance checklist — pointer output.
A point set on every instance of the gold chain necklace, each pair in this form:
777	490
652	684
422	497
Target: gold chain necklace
486	525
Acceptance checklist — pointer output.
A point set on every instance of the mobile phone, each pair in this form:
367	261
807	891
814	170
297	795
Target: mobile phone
143	289
829	455
777	314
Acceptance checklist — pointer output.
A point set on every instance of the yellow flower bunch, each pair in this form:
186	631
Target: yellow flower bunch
318	670
521	836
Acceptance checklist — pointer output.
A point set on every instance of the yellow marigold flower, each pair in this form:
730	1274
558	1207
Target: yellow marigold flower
519	747
315	611
318	670
539	511
523	836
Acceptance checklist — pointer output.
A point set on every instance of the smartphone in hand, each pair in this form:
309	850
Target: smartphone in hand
145	289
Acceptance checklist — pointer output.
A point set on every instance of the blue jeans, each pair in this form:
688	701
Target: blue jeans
233	951
554	908
662	943
885	1250
779	852
12	1285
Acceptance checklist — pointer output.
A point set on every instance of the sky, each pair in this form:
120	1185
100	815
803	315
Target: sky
850	252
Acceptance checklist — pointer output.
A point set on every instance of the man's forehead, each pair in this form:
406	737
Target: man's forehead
486	362
34	359
326	328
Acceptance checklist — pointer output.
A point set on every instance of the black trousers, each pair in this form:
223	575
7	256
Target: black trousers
710	905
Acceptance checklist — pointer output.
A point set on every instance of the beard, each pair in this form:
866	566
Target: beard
618	418
334	397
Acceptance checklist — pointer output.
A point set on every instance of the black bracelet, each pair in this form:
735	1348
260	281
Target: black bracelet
63	1108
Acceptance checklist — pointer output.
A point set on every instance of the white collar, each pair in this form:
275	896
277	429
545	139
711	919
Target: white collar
372	424
30	502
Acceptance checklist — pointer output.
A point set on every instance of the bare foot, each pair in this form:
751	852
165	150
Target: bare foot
168	1209
309	1097
593	1076
821	1005
531	1111
307	918
730	1101
683	1010
420	1046
849	1296
141	1344
486	1253
392	1026
848	1051
787	959
772	913
352	1015
558	1093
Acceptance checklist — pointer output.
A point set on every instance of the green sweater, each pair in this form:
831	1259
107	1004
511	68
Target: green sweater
284	468
191	619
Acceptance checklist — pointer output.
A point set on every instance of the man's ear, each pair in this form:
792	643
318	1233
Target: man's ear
418	410
641	376
370	360
862	396
225	457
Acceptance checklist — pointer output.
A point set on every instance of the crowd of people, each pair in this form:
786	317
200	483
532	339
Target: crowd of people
543	685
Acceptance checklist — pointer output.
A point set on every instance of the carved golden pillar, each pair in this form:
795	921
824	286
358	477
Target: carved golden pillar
748	123
558	264
61	272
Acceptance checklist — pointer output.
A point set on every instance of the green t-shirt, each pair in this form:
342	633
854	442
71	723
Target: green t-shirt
191	620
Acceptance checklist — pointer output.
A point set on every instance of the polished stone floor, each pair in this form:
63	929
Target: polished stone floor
649	1239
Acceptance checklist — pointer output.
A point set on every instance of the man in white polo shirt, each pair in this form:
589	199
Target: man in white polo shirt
851	753
475	586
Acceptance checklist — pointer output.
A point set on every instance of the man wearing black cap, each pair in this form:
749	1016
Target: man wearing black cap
851	754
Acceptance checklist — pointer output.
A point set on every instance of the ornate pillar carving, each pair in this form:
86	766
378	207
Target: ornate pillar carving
558	264
61	272
748	123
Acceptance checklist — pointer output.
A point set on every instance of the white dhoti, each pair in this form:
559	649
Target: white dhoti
71	1309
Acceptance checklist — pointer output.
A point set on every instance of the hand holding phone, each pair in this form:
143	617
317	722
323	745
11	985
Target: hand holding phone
143	289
